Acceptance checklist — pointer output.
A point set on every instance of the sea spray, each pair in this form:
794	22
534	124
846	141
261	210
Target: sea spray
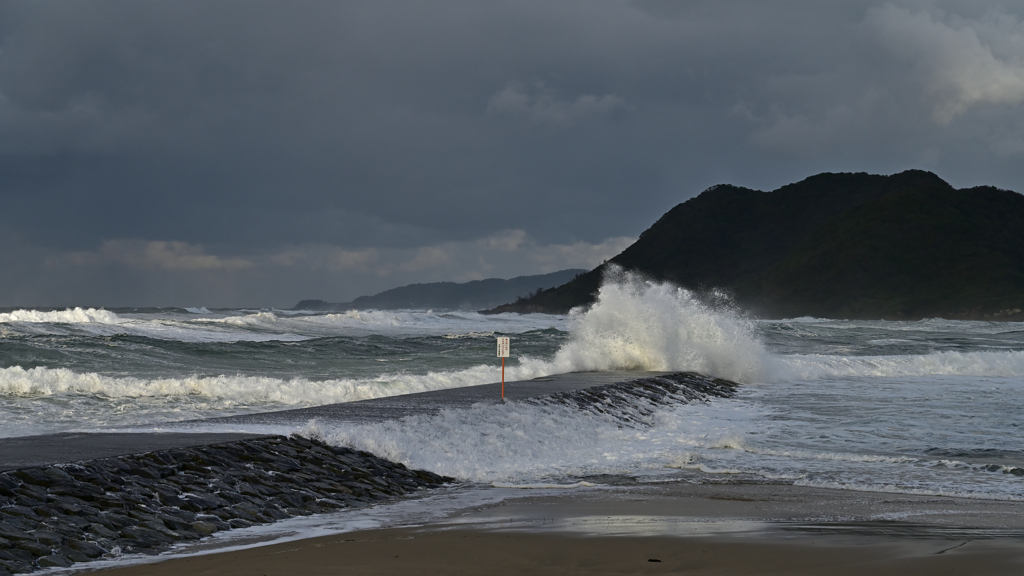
613	428
639	324
518	441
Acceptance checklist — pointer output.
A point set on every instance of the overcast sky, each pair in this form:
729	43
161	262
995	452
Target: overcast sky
253	154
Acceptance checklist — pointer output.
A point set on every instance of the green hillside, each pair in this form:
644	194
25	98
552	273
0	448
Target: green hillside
834	245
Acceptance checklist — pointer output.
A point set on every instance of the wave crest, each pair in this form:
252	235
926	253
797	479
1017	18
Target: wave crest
1003	363
236	390
68	316
639	324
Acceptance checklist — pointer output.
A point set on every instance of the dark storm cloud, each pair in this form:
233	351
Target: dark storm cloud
257	153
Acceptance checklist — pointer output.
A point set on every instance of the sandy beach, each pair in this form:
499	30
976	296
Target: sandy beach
462	551
671	529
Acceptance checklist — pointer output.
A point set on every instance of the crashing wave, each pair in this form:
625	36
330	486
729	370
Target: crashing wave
68	316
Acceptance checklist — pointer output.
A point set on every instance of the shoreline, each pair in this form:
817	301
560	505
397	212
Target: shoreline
413	551
698	529
256	483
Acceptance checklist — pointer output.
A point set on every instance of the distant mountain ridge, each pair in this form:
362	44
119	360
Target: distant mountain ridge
472	295
905	246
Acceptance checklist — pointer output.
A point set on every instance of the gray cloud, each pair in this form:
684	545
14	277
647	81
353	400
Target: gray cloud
957	69
157	273
148	150
150	255
541	107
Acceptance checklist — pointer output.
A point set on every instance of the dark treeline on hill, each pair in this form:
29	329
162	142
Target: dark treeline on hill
905	246
472	295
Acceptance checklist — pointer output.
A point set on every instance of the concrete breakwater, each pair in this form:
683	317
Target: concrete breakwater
61	514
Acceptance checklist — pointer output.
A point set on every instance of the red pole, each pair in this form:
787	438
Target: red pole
502	377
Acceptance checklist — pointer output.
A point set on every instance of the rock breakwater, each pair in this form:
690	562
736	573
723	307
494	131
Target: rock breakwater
61	514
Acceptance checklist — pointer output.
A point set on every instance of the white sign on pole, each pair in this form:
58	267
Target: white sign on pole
503	347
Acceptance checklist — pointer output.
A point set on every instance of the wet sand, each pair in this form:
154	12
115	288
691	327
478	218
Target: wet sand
467	551
686	528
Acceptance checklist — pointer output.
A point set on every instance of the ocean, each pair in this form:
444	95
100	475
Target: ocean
926	407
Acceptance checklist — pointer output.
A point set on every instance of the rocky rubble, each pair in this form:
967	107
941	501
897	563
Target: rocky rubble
62	514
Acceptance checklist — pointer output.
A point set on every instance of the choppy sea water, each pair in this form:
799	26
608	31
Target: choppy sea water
929	407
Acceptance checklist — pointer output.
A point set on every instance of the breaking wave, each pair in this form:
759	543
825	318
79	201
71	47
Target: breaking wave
1004	363
519	441
202	325
638	324
231	390
635	324
384	322
69	316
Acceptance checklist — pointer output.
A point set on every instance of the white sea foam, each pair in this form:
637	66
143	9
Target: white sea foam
634	325
259	319
938	325
894	488
832	456
543	485
389	322
45	400
523	443
202	325
1003	363
738	443
637	324
231	390
68	316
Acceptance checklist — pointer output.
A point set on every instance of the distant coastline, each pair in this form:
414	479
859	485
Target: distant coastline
472	295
